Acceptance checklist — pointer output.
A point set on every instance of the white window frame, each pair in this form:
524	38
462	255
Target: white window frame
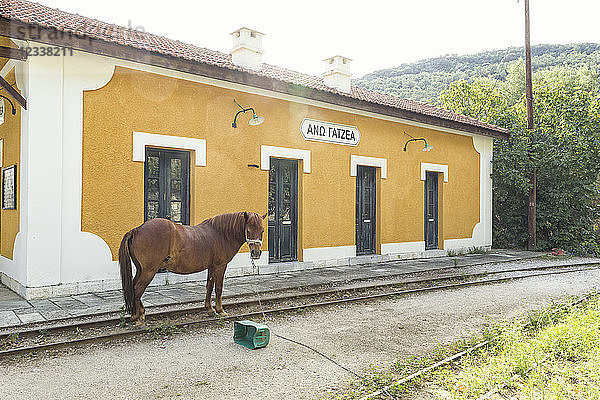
434	168
266	152
143	139
369	162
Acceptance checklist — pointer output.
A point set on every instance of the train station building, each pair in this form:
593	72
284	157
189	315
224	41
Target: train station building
113	126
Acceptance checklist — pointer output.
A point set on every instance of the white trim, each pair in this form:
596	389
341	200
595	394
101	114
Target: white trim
434	168
370	162
81	72
485	147
143	139
266	152
464	243
42	171
328	253
243	260
15	270
481	237
404	247
10	64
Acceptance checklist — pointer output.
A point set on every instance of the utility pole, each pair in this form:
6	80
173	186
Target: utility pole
529	102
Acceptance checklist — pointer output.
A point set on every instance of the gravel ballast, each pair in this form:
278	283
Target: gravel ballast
205	363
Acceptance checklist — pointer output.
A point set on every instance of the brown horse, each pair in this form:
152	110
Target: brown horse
160	243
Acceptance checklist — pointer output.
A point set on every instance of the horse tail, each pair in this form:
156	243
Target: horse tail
126	278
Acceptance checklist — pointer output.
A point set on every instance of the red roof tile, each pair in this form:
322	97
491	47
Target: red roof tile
46	17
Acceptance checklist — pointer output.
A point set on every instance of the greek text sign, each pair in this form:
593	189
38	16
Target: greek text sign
329	132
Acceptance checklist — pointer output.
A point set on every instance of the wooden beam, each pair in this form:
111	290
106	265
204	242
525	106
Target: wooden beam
15	54
13	93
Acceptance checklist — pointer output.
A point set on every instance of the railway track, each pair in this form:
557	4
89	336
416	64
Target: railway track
384	391
107	327
429	276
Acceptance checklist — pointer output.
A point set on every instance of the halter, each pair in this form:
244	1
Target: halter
255	268
252	241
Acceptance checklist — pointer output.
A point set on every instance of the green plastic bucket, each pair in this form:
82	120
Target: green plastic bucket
251	334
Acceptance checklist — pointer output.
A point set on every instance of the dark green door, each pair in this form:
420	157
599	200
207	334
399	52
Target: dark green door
283	210
166	185
431	210
366	210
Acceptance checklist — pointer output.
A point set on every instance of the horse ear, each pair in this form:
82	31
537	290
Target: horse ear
246	216
264	215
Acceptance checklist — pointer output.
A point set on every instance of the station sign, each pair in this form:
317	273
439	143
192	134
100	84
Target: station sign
329	132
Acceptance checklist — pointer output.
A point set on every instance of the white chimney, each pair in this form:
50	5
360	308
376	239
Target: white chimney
247	48
337	73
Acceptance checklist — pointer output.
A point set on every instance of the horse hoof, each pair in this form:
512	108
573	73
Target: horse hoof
140	323
210	310
222	313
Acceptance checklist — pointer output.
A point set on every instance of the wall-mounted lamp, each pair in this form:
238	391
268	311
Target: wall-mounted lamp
14	111
427	147
255	120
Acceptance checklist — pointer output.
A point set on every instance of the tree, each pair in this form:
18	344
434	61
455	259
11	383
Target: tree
566	153
424	80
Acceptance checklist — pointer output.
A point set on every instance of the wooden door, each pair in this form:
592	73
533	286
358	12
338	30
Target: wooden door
431	210
366	210
283	210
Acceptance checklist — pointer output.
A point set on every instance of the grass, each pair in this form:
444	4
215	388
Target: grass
122	317
377	377
470	250
164	329
553	354
13	338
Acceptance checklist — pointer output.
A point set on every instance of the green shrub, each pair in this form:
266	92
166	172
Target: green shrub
563	148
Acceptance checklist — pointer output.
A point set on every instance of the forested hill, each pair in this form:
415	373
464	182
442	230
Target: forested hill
424	80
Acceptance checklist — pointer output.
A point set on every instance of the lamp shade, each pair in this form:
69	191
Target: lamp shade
256	120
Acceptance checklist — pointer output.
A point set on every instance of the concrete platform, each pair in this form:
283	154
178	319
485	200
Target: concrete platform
17	312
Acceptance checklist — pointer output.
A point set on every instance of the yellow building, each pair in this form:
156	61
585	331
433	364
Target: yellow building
113	126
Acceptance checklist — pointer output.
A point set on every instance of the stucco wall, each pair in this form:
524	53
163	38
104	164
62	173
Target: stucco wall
112	189
10	135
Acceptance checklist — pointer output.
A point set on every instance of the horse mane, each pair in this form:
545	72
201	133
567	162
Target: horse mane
230	225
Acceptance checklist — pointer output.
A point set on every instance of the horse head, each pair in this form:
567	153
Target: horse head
254	231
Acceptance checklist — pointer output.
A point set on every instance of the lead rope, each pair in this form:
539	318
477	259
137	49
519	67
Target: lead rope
255	269
362	377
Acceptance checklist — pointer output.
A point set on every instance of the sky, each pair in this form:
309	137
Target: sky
375	34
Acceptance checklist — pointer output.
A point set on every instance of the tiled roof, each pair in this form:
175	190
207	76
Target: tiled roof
47	17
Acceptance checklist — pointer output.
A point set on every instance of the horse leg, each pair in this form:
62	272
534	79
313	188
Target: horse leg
210	282
140	285
219	277
136	313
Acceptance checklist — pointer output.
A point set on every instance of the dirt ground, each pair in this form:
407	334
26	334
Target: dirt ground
206	363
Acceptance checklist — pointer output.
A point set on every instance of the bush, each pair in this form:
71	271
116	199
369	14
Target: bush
564	149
